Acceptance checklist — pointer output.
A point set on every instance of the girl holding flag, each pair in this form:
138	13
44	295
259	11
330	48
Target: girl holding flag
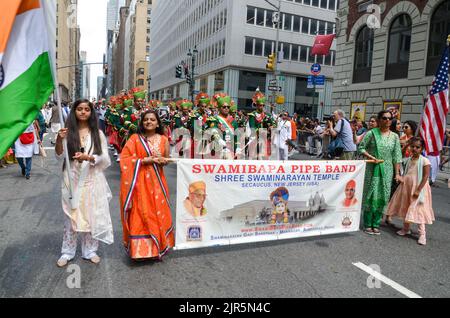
87	207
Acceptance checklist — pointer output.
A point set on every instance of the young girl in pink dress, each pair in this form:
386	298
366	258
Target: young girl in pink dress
412	200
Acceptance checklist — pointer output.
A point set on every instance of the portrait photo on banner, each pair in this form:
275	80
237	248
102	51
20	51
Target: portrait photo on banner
358	111
396	107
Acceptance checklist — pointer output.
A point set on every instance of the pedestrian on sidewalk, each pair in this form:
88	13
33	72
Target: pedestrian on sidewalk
148	231
25	147
409	129
412	202
343	130
383	147
55	123
88	211
435	160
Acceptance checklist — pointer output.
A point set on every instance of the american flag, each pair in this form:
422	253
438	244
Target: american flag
434	119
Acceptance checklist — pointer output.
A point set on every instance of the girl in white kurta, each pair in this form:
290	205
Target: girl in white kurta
88	210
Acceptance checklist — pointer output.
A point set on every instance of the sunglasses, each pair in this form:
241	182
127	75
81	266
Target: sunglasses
386	118
226	107
405	127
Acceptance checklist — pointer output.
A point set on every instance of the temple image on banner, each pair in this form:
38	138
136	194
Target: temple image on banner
277	211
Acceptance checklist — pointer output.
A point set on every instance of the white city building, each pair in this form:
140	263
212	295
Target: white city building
234	39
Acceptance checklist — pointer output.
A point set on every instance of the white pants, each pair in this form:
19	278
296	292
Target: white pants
435	161
89	246
284	153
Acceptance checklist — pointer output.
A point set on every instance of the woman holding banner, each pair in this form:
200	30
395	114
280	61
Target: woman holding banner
382	146
86	204
148	231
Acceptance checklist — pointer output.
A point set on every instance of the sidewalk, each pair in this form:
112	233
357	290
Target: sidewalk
442	179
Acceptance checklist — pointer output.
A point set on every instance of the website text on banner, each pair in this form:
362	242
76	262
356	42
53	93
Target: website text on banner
224	203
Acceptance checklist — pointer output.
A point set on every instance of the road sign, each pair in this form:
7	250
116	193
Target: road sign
316	69
281	78
275	88
195	92
273	82
318	81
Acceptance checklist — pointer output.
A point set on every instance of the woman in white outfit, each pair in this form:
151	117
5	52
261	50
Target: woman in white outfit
25	147
88	210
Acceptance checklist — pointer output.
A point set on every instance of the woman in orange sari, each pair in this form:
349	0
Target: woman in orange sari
148	231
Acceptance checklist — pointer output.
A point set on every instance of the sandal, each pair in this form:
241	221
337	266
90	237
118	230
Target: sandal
402	232
368	231
62	262
376	231
95	260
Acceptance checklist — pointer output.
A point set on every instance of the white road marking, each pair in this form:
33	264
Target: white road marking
387	281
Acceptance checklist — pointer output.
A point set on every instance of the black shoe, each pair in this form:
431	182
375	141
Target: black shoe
28	177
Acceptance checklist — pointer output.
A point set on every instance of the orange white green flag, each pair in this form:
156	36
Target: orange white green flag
26	69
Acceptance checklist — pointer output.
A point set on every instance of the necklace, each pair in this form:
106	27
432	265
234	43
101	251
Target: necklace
154	142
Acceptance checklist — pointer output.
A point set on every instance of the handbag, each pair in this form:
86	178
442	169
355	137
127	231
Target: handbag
42	151
27	138
336	147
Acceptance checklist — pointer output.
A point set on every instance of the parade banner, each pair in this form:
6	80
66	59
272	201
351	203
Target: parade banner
235	202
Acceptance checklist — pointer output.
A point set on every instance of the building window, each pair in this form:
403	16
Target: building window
295	52
305	25
399	47
363	56
439	30
269	19
258	47
204	84
219	84
248	46
260	17
268	47
287	22
250	81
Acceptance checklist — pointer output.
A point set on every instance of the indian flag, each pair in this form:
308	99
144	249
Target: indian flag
26	77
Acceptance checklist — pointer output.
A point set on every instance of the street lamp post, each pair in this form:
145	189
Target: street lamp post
148	88
191	80
276	20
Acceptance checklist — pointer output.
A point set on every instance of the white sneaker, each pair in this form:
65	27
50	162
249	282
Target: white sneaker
118	159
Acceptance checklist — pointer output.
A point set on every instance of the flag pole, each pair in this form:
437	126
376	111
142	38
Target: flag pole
66	150
49	7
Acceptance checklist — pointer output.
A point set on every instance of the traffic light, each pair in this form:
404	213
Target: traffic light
179	71
188	78
271	60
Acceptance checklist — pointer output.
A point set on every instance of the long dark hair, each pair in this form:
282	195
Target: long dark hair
73	136
412	124
393	127
159	130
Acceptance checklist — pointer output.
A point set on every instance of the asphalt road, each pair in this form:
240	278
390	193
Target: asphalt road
31	225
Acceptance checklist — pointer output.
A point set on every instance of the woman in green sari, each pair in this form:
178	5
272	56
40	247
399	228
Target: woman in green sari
383	147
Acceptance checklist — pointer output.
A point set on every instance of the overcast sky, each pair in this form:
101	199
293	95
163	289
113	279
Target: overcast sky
92	22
